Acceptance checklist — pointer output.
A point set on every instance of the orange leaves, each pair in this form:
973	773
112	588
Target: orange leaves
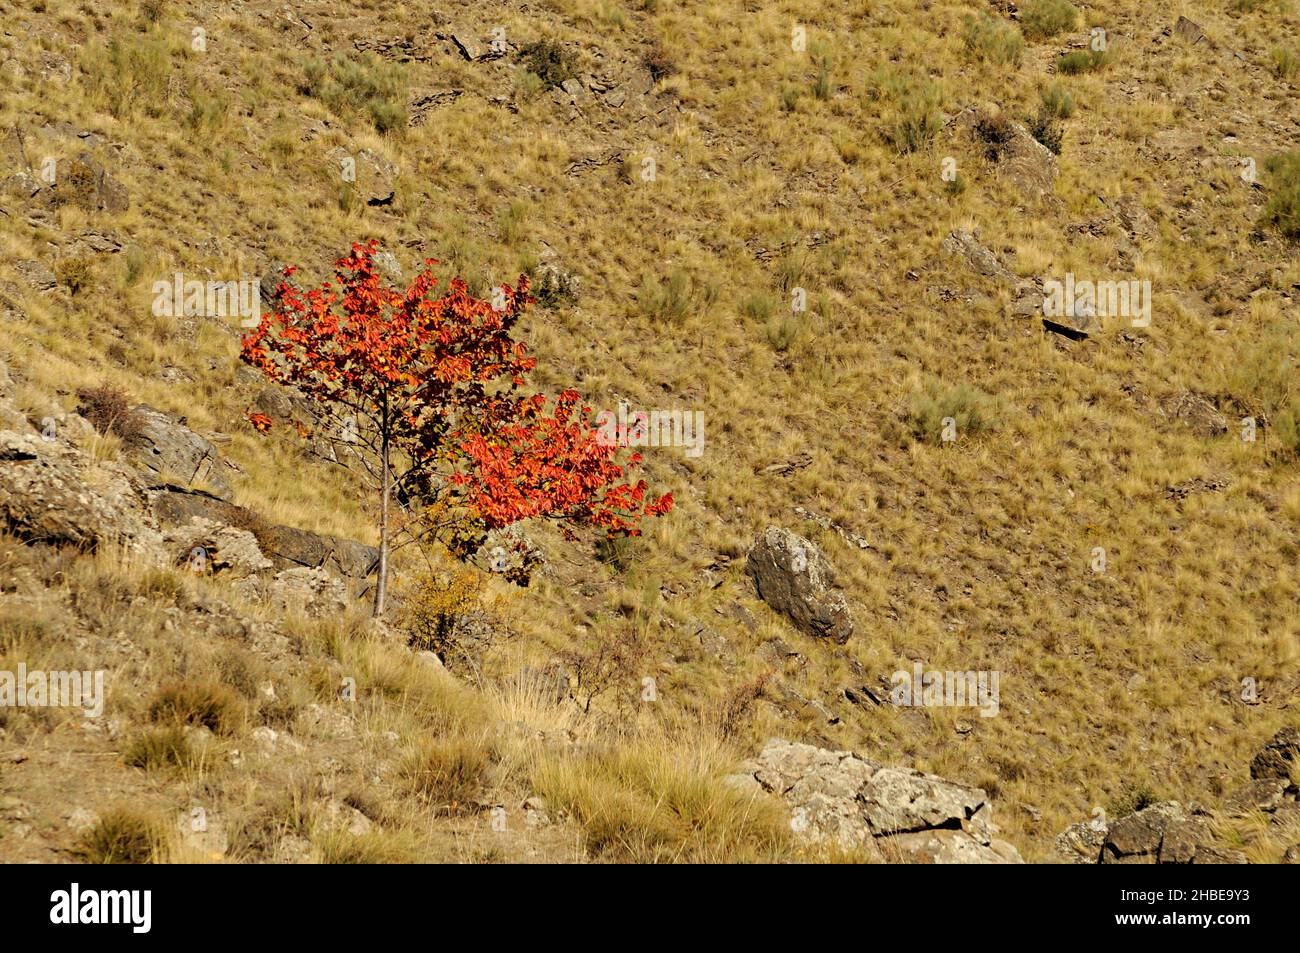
438	377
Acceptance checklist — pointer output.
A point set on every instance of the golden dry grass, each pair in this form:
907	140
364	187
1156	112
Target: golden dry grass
980	551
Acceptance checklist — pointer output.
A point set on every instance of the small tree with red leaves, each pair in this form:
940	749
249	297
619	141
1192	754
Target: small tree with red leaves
423	395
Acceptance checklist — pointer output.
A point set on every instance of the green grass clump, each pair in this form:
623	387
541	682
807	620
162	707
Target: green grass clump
1043	19
993	41
960	409
363	86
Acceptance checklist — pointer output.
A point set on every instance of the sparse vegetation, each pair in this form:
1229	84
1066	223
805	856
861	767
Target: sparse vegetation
993	40
550	62
448	771
1082	61
361	86
943	413
1283	209
123	835
1283	62
1043	19
775	169
205	705
109	409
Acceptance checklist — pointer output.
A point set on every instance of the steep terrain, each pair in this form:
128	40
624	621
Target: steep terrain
1113	526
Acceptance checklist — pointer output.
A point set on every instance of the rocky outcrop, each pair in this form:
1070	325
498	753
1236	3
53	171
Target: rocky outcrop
1278	759
207	546
1163	833
285	546
313	592
1271	789
168	450
853	802
53	493
85	183
794	578
46	496
966	247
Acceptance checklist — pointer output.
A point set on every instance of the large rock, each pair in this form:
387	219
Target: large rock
1081	843
286	547
207	546
794	578
17	177
854	802
1163	833
965	245
52	493
375	177
313	592
1189	31
1279	758
170	451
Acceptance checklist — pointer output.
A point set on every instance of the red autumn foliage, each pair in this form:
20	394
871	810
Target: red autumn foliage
430	389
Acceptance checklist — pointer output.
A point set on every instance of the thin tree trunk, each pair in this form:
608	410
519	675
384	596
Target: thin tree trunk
381	586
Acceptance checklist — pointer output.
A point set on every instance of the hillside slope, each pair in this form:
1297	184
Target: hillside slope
693	168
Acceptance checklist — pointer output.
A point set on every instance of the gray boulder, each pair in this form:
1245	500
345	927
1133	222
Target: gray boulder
965	246
1163	833
48	495
794	578
856	803
314	592
286	546
168	451
213	547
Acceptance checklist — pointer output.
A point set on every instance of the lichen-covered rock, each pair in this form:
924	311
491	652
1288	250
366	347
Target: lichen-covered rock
48	495
854	802
1164	834
314	592
1081	843
214	547
794	578
165	448
965	246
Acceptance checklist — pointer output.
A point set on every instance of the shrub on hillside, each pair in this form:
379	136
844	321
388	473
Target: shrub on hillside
1047	130
667	302
364	86
992	40
129	74
658	62
109	410
449	770
75	274
1283	62
994	133
152	10
1057	101
206	705
918	120
123	835
550	62
1265	379
960	410
1082	61
1041	19
435	602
